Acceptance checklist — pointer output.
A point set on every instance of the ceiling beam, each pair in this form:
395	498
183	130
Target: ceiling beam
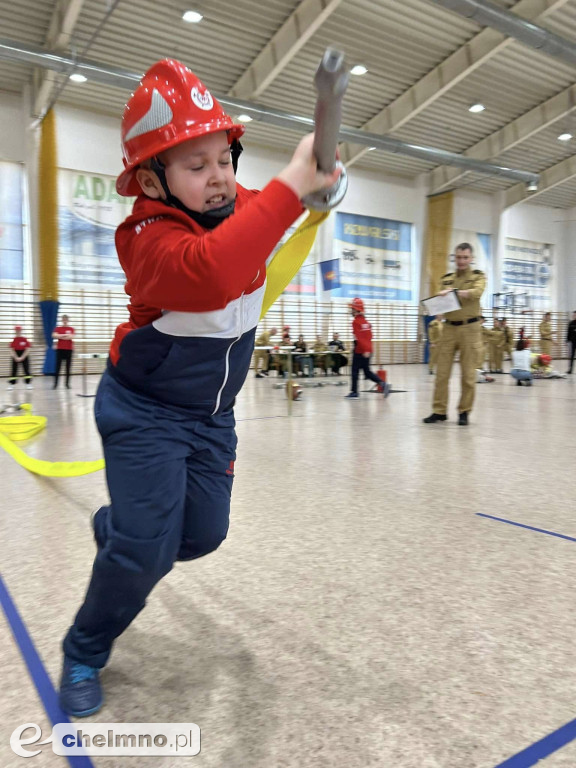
550	178
283	47
508	137
58	38
459	65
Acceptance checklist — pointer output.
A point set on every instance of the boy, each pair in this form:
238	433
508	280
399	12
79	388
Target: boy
194	253
19	352
362	331
64	335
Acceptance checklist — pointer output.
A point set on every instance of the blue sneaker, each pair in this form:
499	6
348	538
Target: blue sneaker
80	690
352	395
386	388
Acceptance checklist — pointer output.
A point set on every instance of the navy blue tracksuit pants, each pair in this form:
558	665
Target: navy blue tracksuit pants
361	363
170	479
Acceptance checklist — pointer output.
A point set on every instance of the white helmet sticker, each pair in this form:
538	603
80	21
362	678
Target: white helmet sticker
159	114
202	100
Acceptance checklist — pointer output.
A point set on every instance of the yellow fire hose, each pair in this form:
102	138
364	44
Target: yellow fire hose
26	425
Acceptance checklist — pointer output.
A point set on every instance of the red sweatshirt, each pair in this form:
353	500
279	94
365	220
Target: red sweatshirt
195	296
362	334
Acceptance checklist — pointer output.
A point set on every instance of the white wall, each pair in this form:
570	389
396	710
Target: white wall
88	141
12	128
473	211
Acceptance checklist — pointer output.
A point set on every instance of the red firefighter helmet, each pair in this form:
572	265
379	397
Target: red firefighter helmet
545	360
357	304
169	106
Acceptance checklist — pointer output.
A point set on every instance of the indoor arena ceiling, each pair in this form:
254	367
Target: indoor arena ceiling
426	65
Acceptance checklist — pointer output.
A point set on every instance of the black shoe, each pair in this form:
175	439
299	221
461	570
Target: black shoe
434	417
518	383
259	376
264	373
463	419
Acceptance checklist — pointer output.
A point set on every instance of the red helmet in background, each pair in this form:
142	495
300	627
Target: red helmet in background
357	304
170	105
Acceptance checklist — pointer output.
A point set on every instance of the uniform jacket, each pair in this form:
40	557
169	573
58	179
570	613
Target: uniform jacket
362	331
473	280
545	331
195	297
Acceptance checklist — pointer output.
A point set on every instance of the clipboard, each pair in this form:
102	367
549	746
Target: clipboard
440	305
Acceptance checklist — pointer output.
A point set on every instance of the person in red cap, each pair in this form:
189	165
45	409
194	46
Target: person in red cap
362	331
194	251
19	352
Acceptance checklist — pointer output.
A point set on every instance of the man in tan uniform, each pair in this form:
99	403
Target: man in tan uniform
508	337
435	328
484	344
462	332
263	354
546	339
497	341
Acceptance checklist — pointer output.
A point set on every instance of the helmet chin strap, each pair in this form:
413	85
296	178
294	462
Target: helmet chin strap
209	219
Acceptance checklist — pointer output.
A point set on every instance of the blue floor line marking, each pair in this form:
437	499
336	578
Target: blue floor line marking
543	748
528	527
38	673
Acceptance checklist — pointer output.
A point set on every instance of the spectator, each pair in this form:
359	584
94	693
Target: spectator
321	360
64	334
339	360
263	354
304	361
571	339
522	363
19	352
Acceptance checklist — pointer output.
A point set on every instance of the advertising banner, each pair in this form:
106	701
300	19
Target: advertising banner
12	266
529	268
375	258
89	212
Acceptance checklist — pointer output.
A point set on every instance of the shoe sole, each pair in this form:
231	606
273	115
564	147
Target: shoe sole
84	712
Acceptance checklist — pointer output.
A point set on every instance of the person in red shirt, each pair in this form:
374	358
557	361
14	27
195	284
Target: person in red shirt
194	252
19	352
64	335
362	331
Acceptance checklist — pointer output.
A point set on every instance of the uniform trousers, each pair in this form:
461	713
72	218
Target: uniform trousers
361	363
261	355
63	356
170	479
465	339
14	372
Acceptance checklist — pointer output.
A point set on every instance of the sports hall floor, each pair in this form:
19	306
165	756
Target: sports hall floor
360	613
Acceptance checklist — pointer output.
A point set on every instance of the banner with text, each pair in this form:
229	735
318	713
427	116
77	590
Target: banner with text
89	212
529	268
12	262
375	258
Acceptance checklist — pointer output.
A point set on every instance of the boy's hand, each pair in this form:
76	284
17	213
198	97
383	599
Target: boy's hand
302	173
